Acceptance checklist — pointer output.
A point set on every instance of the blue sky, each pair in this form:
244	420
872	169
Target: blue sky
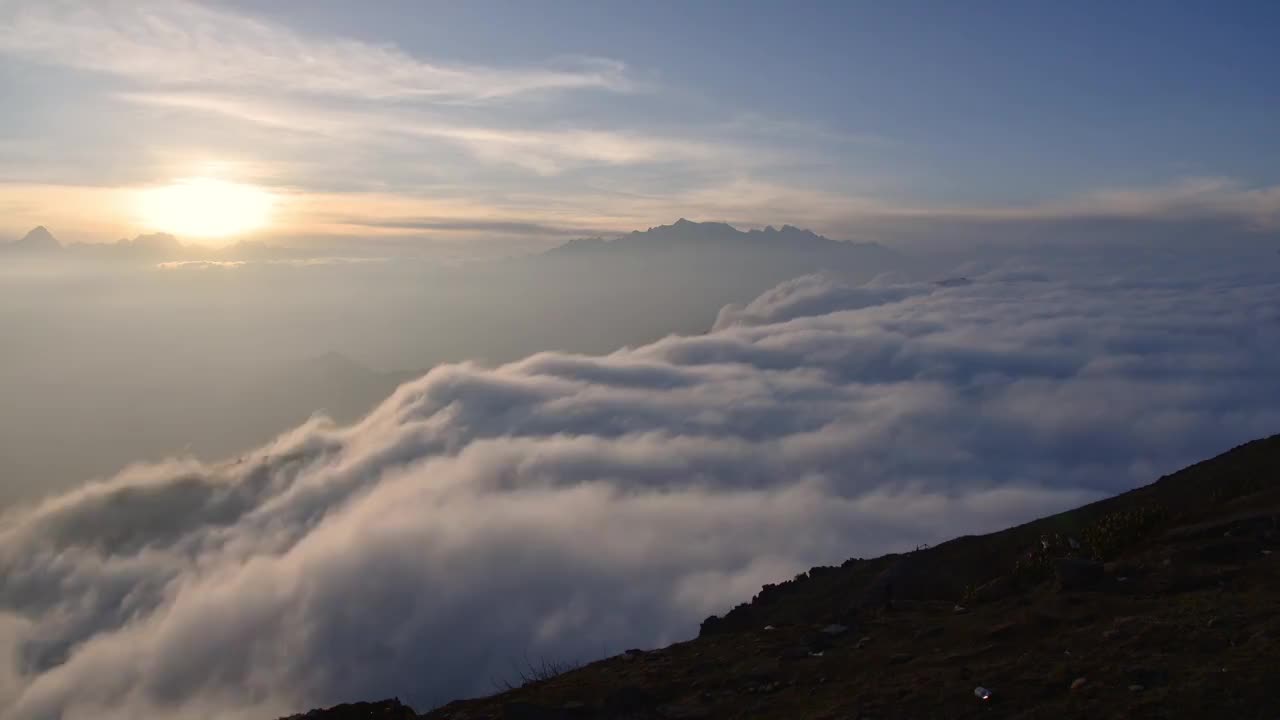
1118	93
583	116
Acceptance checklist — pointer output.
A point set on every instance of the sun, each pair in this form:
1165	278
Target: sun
205	208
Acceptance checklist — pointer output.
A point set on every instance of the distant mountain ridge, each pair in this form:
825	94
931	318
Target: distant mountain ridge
685	233
148	247
706	239
38	240
719	254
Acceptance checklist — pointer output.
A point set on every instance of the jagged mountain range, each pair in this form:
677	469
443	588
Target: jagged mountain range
40	242
708	240
789	247
590	296
685	233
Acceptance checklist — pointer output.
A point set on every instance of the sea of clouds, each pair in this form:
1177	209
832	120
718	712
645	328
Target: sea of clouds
567	506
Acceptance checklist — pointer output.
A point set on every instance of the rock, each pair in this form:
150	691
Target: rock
862	642
901	658
1136	688
760	674
795	653
1147	677
818	643
929	632
1192	579
1058	676
1226	552
993	590
1003	630
533	711
898	580
1119	569
710	626
391	709
683	712
1077	573
1079	683
835	629
629	700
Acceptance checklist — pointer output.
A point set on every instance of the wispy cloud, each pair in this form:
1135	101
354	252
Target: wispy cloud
333	110
175	43
368	138
484	226
1186	197
1191	197
542	151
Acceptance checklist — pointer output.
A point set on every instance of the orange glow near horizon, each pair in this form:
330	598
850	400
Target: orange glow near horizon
205	208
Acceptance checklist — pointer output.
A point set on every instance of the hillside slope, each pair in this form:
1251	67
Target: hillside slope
1157	603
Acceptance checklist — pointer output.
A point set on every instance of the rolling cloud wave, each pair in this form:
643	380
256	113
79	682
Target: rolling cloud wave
570	506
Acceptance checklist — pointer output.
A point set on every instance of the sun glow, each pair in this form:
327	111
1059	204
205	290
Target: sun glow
205	207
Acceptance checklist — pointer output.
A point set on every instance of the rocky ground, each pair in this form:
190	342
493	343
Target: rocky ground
1159	603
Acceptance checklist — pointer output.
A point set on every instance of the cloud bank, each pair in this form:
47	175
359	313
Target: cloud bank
569	506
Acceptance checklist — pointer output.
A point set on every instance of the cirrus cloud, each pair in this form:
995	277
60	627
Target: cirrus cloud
184	44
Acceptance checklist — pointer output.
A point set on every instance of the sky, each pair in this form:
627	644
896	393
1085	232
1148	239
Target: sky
491	121
596	448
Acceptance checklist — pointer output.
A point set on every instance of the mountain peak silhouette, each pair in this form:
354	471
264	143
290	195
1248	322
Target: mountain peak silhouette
38	239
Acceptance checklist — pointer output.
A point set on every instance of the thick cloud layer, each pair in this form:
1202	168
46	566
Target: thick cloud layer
570	506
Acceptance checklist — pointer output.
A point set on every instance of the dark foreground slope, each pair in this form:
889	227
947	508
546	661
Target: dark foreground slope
1158	603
